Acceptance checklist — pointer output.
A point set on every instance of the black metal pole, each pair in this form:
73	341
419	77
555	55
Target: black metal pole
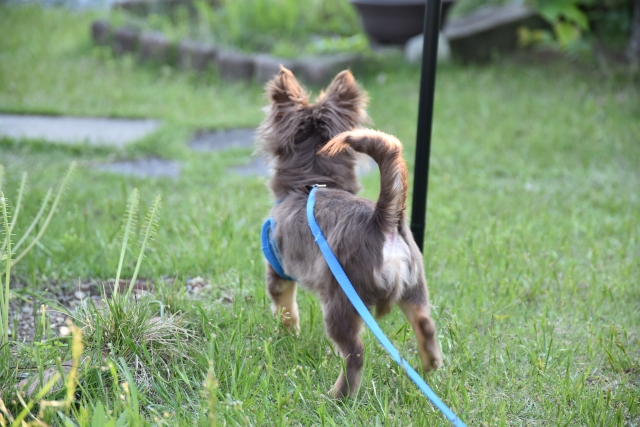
425	118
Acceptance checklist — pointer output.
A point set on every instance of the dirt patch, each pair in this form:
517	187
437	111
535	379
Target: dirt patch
36	315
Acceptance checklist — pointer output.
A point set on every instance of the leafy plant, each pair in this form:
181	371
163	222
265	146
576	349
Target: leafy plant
572	20
137	331
283	27
135	337
8	251
175	26
568	21
355	43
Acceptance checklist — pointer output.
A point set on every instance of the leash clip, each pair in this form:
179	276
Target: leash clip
310	187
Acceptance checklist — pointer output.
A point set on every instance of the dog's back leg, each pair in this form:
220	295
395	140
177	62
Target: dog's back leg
343	325
283	298
415	306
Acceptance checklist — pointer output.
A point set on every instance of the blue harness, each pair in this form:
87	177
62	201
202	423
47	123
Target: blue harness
270	248
347	287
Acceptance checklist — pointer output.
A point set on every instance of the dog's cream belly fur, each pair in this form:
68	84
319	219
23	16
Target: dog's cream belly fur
396	271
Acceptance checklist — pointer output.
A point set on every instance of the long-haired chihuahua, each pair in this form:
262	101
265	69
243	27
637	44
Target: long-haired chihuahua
317	143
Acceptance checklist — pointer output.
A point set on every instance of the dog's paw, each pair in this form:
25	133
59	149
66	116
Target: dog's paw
431	359
340	390
290	322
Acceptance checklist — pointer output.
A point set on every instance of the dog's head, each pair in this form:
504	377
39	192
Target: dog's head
294	125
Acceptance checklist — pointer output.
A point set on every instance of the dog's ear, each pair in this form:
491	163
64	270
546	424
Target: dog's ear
289	102
347	98
285	89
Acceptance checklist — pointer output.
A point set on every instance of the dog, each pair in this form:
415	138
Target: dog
317	143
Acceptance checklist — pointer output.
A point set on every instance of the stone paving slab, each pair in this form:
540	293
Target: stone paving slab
118	132
223	139
151	167
76	130
257	167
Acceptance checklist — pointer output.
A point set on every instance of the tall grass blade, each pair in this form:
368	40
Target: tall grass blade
132	208
16	210
32	226
211	386
49	216
4	411
18	422
150	227
4	288
76	352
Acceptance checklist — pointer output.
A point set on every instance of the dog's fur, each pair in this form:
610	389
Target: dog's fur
317	144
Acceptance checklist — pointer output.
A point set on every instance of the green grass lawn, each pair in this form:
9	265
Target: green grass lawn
532	248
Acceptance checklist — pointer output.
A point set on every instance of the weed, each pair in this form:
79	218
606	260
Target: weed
8	252
138	331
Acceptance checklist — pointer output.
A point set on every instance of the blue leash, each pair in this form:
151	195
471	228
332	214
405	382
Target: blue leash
362	310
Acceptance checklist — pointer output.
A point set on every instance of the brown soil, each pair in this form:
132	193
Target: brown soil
57	302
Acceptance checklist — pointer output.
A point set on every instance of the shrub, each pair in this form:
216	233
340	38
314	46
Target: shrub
571	21
283	27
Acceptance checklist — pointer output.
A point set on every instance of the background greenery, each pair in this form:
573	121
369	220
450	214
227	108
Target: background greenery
532	247
285	28
573	23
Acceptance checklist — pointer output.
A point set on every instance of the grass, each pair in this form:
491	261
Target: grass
532	247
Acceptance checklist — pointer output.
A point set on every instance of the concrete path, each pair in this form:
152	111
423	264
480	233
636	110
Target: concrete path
231	138
150	167
223	139
76	130
257	166
119	132
70	4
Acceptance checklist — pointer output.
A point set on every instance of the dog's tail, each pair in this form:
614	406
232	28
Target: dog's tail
386	150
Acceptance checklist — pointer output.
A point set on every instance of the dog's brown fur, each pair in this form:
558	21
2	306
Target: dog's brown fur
317	144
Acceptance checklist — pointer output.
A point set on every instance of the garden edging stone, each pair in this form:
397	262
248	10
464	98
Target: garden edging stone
231	64
125	40
197	56
101	32
154	47
319	70
267	66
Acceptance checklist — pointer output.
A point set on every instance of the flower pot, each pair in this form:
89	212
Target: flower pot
394	21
